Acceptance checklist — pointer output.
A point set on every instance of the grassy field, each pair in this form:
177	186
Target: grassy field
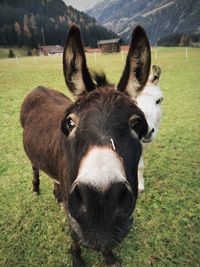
19	52
33	230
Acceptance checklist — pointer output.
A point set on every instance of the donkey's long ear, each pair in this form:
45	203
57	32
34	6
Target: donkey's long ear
138	63
155	75
77	76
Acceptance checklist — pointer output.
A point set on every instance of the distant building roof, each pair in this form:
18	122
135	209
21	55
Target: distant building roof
111	41
51	49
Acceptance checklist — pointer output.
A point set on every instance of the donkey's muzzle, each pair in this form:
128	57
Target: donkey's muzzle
89	205
105	215
149	136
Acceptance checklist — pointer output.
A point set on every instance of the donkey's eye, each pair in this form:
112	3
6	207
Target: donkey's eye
134	123
158	101
70	123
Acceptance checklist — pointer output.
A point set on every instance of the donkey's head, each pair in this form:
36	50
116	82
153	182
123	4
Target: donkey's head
102	132
149	101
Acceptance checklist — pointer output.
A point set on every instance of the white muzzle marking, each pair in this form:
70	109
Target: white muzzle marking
100	167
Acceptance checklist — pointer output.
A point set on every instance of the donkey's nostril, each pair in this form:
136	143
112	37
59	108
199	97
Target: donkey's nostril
82	201
125	200
123	195
152	130
120	198
77	194
76	200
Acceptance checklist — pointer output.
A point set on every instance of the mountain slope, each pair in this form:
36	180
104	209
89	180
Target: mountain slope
158	17
33	22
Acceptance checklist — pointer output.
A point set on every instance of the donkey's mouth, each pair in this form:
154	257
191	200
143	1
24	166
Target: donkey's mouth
100	238
144	140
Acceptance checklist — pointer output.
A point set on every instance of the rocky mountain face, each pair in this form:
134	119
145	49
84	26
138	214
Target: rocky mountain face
158	17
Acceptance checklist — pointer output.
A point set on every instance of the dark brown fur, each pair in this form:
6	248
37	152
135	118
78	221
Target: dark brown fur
43	140
42	134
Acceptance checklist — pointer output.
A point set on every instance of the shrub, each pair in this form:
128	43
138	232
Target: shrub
11	54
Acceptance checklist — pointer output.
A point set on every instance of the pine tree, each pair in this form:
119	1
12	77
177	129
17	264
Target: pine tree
26	31
21	22
19	33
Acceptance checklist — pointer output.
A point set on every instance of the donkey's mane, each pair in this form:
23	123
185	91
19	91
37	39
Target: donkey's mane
100	79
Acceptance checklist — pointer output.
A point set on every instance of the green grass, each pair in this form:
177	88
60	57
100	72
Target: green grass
33	230
19	52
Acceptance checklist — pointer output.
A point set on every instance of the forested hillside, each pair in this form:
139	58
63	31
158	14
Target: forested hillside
34	22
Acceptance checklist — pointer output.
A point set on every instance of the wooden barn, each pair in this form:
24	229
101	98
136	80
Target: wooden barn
109	46
51	50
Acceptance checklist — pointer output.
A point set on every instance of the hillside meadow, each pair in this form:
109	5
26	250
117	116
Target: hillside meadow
166	231
18	52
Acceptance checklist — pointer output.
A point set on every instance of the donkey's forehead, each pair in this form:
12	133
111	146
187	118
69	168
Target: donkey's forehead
107	98
153	90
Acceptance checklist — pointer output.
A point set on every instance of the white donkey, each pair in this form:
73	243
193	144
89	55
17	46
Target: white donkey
149	102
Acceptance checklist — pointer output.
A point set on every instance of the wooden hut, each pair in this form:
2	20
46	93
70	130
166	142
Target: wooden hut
109	46
50	50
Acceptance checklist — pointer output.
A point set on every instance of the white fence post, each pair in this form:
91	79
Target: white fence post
186	52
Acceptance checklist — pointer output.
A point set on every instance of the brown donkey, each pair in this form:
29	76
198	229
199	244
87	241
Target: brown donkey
90	147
